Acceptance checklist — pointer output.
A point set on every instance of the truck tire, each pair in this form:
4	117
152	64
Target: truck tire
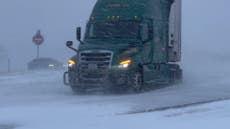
137	80
78	90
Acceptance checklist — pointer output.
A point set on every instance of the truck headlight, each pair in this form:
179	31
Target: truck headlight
71	63
125	63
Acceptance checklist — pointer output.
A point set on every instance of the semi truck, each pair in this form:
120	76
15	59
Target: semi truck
127	45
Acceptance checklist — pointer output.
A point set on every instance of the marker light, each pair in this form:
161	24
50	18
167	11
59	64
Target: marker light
71	63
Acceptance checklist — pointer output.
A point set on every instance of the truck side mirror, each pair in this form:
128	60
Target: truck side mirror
79	33
69	43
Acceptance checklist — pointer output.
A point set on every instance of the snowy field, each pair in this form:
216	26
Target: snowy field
39	100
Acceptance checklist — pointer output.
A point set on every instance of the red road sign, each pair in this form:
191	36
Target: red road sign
38	39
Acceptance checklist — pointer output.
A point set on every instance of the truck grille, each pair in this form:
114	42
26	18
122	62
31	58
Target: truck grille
94	64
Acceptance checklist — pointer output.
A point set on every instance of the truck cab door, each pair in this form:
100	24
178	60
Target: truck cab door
146	35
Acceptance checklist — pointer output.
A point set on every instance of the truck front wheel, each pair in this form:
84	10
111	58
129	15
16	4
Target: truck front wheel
136	80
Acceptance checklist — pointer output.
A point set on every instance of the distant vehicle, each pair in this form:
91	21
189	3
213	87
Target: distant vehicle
44	63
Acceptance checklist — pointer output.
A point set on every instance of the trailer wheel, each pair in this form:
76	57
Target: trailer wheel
176	74
179	75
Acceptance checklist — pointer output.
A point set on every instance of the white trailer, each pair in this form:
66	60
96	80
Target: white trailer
174	46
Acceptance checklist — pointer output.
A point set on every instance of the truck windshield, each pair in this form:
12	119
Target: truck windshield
119	29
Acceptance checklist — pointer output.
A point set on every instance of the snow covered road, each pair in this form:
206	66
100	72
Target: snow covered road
39	100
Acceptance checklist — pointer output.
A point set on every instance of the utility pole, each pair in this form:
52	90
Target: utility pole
37	51
9	64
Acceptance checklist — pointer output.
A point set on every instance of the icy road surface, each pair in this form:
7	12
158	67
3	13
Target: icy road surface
39	100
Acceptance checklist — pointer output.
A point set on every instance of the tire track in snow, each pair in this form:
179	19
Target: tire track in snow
177	106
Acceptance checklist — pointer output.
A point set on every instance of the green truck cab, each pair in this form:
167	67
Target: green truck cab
128	44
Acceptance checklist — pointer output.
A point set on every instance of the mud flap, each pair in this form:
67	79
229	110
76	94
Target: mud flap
66	79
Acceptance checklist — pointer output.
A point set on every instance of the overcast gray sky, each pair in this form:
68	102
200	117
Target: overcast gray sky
205	28
57	20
